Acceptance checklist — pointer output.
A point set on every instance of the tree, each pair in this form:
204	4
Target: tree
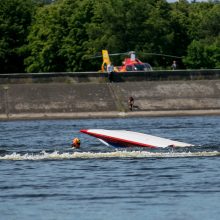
179	25
203	55
204	51
74	47
159	35
15	20
122	26
58	36
210	24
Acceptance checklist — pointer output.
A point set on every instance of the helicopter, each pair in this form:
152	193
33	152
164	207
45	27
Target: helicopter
129	63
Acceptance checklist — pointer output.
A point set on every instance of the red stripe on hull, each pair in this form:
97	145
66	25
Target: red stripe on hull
115	140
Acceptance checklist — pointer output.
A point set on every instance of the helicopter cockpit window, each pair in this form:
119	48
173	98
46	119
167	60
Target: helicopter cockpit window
129	68
139	67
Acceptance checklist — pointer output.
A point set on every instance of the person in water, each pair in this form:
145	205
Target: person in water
76	143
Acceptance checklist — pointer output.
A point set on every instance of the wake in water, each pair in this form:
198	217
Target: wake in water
96	155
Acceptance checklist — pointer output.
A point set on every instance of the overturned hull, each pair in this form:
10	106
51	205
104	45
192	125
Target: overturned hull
123	138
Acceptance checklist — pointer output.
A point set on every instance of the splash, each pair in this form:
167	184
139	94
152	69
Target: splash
116	154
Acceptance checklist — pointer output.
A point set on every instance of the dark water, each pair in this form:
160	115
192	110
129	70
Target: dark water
41	177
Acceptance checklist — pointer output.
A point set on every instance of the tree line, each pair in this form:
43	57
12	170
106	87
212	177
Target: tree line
65	35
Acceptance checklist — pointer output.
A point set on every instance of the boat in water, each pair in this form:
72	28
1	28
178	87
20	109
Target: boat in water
124	138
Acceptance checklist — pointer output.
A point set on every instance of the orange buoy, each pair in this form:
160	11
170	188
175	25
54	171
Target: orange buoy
76	143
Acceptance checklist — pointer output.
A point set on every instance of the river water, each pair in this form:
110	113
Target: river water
41	177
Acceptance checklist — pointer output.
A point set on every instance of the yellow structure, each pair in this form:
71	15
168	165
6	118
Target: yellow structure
106	60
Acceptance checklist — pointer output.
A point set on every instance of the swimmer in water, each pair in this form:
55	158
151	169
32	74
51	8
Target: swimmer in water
76	143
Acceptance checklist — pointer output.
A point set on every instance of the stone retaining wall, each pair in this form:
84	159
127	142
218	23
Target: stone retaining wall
93	99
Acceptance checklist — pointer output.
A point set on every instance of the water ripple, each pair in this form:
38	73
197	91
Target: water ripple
117	154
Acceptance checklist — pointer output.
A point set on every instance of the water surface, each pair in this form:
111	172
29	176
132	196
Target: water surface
43	178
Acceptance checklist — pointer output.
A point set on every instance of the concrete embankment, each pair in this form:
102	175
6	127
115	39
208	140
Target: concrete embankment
90	95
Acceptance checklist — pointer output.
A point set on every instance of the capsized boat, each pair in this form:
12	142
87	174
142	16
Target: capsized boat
124	138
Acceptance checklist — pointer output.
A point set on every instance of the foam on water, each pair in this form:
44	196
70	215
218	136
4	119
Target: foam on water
96	155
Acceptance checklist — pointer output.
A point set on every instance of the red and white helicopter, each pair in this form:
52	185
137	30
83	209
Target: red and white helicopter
130	63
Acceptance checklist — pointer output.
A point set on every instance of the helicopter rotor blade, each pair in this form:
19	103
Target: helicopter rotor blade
163	55
98	55
117	54
110	54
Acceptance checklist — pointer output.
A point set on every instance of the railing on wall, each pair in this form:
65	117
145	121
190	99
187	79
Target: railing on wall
81	77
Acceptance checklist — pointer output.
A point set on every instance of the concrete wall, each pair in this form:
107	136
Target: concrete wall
93	99
172	95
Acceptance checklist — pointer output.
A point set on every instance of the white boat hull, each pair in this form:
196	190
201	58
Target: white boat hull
123	138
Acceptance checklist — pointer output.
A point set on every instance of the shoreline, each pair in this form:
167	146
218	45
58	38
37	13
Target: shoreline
110	114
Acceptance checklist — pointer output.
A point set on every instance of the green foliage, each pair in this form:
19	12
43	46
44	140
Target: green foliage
74	43
158	33
57	37
201	54
15	19
179	23
61	35
45	36
122	26
204	52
